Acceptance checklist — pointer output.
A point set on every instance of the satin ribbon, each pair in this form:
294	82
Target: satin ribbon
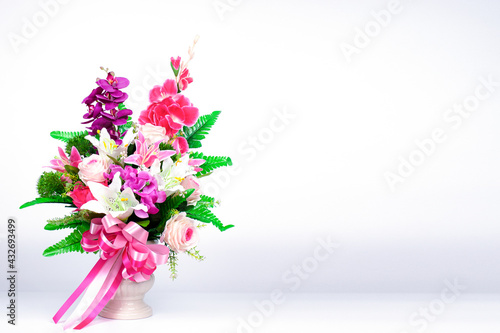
124	255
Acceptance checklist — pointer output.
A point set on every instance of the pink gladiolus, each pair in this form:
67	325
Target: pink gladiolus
176	63
159	93
184	79
146	154
73	160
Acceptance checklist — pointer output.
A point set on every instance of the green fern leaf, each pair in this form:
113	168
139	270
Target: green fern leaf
207	201
53	199
200	129
73	224
66	136
173	201
204	215
211	162
169	206
69	244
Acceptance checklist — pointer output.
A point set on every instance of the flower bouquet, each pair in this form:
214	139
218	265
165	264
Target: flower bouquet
134	186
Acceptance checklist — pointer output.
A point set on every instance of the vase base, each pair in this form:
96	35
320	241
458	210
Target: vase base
126	310
128	301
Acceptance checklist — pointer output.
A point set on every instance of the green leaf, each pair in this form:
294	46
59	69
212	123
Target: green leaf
195	253
168	207
144	223
115	161
194	144
74	224
127	125
204	215
172	263
174	201
65	136
200	129
176	71
211	162
53	199
206	201
76	218
71	169
69	244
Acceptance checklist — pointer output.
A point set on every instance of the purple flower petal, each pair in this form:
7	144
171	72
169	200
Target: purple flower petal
105	85
122	82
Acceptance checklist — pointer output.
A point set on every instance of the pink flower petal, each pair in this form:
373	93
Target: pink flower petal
155	94
196	162
169	88
174	125
75	157
191	114
181	145
133	159
163	154
143	117
161	110
176	113
168	130
63	156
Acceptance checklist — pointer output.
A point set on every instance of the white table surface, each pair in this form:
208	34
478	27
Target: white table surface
204	312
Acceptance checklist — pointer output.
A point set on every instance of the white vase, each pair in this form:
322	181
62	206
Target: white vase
128	301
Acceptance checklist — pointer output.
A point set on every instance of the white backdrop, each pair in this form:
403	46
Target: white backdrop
372	124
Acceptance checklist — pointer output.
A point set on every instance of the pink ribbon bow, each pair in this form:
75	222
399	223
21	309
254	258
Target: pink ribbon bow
124	255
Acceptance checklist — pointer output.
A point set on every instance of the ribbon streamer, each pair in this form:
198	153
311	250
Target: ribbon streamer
124	255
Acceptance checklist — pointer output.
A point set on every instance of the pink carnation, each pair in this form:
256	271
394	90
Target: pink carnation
169	109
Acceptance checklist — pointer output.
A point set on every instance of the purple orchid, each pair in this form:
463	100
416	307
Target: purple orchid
102	106
111	95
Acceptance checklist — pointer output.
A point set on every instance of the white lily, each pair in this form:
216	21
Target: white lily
108	147
109	199
170	174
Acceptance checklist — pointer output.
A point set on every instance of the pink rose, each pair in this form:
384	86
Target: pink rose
169	109
81	194
92	169
153	133
180	233
191	182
